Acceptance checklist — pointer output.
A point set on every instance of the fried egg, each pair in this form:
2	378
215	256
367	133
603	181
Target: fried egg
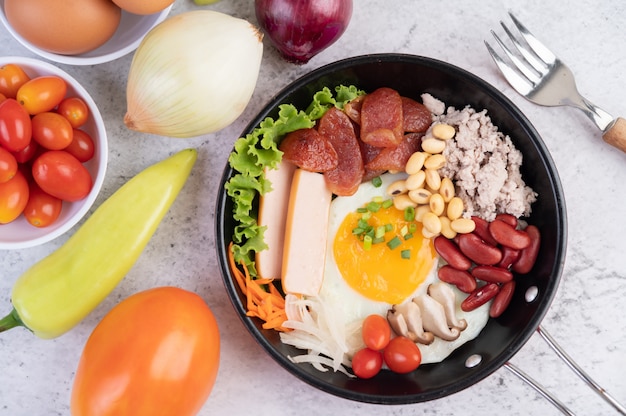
359	280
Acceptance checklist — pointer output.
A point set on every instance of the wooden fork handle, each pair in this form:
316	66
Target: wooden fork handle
616	135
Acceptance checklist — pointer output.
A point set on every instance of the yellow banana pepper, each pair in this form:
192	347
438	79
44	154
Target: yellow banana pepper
57	292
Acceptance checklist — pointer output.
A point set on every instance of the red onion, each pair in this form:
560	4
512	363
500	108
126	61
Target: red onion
300	29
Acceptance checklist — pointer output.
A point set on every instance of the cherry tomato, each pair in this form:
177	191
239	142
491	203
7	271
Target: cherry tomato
62	175
15	126
82	146
366	363
13	198
376	332
42	209
155	352
402	355
42	93
2	97
52	130
8	165
75	110
12	77
27	153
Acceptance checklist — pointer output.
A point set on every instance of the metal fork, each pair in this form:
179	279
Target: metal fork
541	77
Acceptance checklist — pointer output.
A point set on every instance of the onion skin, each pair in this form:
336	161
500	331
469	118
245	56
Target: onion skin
302	29
193	74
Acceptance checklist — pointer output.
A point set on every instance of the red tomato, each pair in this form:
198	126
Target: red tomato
62	175
156	352
2	97
75	110
12	77
13	198
402	355
82	146
42	209
376	332
15	126
52	130
366	363
8	165
27	153
42	93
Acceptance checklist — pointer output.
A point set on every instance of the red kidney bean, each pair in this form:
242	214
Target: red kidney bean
528	256
477	250
482	230
502	299
451	253
492	274
480	296
508	218
509	256
462	279
508	236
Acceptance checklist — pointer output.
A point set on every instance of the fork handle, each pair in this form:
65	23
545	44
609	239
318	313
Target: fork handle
615	135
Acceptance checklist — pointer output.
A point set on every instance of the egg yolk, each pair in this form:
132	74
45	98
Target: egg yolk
381	273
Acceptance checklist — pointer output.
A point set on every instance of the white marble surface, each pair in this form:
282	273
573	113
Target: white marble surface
587	315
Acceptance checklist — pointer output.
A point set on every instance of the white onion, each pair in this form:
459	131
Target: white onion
193	74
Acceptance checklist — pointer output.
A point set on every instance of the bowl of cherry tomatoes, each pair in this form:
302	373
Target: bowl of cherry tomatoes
53	152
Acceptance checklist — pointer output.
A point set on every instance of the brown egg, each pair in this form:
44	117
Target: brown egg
66	27
143	6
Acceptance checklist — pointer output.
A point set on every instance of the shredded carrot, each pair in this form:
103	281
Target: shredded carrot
269	306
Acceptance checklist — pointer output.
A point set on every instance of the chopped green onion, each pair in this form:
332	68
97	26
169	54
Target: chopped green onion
380	231
394	243
378	240
387	203
412	228
361	210
358	231
404	231
362	224
408	236
405	254
377	182
373	206
378	199
388	227
366	215
409	214
367	242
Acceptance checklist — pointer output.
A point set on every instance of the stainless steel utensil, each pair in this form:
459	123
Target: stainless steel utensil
540	76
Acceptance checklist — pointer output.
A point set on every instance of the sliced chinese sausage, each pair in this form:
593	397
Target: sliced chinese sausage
416	117
353	109
382	122
369	153
309	150
338	129
395	158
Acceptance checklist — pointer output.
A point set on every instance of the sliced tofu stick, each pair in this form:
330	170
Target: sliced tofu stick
273	214
306	229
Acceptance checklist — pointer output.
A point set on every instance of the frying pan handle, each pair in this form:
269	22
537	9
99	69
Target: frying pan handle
615	135
540	389
572	364
575	367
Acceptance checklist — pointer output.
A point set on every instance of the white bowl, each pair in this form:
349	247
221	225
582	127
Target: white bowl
126	39
19	233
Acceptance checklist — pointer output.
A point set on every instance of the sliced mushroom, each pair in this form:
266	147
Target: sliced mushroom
434	318
444	294
406	320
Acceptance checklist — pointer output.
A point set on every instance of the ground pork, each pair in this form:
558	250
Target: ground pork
483	163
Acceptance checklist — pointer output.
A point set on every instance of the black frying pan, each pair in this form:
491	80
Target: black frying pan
502	337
